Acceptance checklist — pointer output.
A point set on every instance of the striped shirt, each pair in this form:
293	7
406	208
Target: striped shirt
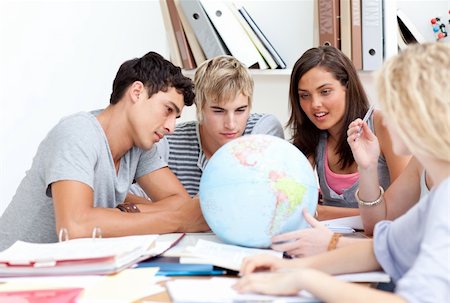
182	149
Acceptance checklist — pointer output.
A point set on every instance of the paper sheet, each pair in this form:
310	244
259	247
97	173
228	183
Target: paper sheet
126	286
219	290
349	222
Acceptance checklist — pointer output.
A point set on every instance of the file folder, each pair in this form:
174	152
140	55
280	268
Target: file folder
372	34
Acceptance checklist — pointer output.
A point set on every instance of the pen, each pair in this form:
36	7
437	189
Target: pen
365	119
214	272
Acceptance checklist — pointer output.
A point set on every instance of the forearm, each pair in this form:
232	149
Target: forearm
346	241
357	257
137	199
369	190
114	223
337	291
325	212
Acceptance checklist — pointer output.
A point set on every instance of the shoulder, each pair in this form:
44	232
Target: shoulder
185	128
440	191
80	128
184	131
377	123
265	124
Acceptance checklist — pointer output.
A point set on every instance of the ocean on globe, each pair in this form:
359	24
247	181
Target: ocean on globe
255	187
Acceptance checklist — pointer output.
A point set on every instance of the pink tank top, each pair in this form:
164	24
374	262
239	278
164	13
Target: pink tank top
338	182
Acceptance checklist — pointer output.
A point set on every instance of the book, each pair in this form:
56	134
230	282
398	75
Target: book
175	56
222	255
356	34
263	39
372	34
170	266
185	51
252	35
77	256
64	295
195	47
329	25
346	27
211	43
407	32
233	34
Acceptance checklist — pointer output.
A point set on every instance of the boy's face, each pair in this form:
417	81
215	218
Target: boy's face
156	116
225	122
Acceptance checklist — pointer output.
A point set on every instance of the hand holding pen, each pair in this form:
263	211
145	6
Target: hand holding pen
365	119
367	150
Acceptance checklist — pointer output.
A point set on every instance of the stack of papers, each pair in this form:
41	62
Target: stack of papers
78	256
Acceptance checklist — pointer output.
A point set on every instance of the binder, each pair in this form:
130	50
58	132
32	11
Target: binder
75	257
233	34
346	28
407	31
265	42
196	49
211	43
183	46
356	33
372	34
175	56
329	24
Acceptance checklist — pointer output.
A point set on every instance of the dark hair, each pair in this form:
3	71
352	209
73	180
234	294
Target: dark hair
305	134
156	73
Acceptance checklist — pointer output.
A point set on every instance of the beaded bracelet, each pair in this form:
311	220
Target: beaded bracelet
128	207
333	241
369	203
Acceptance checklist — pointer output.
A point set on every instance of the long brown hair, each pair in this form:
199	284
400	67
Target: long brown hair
305	134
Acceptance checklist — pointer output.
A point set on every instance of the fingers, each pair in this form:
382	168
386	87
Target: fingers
278	239
287	246
358	128
311	220
259	263
251	283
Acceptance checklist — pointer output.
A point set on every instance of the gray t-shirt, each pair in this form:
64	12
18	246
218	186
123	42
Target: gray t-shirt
415	248
75	149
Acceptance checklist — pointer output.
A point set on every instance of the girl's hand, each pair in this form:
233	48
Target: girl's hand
262	262
364	145
280	283
305	242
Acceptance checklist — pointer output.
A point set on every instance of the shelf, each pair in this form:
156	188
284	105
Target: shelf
254	72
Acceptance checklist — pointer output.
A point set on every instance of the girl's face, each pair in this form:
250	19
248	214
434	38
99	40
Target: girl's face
322	98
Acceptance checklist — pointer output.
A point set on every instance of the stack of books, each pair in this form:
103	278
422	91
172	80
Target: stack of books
198	30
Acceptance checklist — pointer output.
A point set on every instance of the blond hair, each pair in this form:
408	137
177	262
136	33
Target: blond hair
414	91
219	80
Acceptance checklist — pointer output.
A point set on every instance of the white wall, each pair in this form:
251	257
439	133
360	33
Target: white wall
58	58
